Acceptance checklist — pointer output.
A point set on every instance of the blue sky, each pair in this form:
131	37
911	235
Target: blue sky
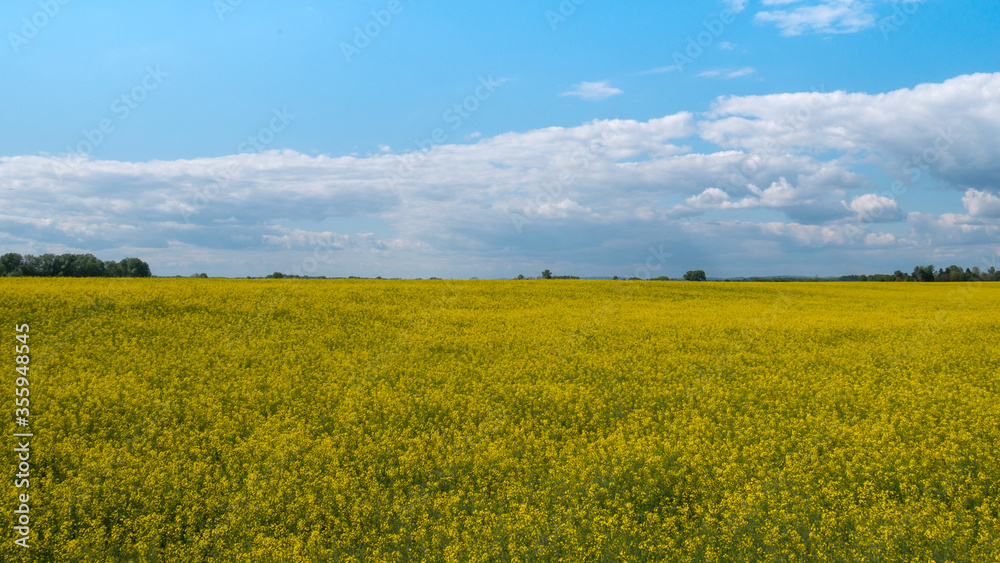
396	138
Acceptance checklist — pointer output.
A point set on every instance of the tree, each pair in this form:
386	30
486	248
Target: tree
60	266
520	276
954	273
31	266
112	269
85	266
134	268
47	265
546	275
924	273
71	266
10	262
695	275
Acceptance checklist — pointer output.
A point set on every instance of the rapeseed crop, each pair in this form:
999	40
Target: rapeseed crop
363	420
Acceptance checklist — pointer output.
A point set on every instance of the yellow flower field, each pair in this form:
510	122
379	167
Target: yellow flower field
182	420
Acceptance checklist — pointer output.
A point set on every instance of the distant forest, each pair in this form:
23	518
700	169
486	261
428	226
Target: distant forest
920	274
927	274
71	266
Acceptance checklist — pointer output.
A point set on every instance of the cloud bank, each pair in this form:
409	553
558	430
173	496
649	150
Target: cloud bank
827	182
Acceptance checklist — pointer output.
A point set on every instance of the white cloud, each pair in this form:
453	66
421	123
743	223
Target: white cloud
299	238
660	70
823	16
951	129
779	194
729	73
811	235
871	208
590	192
982	204
810	202
880	239
736	6
953	229
593	91
711	198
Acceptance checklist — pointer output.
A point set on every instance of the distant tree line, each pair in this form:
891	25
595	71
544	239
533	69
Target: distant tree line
952	273
546	275
71	266
281	276
920	274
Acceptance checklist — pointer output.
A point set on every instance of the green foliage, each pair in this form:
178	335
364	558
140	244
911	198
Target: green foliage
71	266
11	262
546	275
112	269
695	275
927	274
134	268
924	273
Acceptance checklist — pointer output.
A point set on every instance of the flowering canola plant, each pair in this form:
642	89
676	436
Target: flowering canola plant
473	421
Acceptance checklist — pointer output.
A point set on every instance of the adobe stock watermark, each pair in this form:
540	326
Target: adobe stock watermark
696	44
654	262
366	34
223	7
258	142
456	115
48	10
122	107
901	14
581	161
563	12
